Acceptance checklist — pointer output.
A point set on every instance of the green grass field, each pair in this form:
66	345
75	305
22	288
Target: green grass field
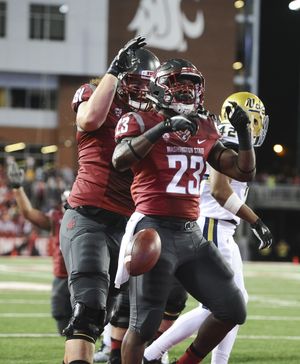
28	333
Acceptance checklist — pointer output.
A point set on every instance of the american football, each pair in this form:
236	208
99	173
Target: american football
143	252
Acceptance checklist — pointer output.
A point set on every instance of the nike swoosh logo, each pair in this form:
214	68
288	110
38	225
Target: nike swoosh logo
201	141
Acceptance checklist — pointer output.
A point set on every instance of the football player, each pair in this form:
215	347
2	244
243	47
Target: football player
218	221
167	150
100	201
60	299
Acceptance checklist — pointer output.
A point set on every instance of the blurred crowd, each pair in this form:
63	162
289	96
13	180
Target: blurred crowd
272	180
43	186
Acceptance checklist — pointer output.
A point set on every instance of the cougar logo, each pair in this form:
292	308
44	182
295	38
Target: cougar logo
164	25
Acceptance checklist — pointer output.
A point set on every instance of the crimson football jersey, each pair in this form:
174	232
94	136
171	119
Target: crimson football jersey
167	181
97	183
59	268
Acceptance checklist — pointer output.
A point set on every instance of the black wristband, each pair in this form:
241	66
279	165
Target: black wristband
133	151
244	137
256	224
156	132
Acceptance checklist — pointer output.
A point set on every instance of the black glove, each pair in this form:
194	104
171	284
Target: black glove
262	232
238	117
179	122
15	175
126	60
171	124
240	121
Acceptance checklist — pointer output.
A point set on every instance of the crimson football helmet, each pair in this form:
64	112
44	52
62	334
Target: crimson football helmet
177	85
134	85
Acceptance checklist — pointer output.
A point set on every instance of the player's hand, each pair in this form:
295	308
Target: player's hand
126	59
15	175
238	117
180	123
263	233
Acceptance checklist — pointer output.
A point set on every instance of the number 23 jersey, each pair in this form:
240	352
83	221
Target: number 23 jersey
167	181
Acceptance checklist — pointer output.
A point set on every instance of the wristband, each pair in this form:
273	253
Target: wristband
244	137
233	203
156	132
133	151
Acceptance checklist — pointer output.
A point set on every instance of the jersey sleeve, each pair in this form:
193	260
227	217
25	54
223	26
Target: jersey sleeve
82	94
130	125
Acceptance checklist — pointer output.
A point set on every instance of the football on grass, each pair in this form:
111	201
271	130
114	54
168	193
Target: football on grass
143	251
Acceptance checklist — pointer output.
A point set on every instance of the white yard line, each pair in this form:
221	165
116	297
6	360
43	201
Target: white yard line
23	302
240	337
250	317
24	315
25	286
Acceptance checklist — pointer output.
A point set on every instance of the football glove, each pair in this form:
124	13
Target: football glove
237	116
262	232
239	119
15	175
126	60
178	122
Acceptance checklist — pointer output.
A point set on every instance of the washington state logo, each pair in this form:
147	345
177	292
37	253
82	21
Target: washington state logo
164	25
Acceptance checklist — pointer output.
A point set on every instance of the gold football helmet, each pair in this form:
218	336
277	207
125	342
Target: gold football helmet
255	109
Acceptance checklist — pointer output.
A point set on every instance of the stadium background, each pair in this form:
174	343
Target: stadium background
48	49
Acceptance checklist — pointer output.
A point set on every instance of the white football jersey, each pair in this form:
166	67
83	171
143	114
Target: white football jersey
209	207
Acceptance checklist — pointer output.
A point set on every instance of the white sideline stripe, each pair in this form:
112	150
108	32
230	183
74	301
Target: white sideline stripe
273	318
265	337
28	335
25	286
24	302
241	337
250	317
24	315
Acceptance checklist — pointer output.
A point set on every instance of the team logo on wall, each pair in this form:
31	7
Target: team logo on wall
165	25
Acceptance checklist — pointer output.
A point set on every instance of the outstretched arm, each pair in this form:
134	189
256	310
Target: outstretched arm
222	191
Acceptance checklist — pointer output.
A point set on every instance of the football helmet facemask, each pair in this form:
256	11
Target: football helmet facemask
177	85
134	85
255	109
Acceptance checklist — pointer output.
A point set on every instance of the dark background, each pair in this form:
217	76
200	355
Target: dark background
279	74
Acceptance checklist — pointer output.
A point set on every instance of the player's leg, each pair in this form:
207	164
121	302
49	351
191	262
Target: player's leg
119	323
61	308
221	353
175	305
148	297
217	291
102	354
86	255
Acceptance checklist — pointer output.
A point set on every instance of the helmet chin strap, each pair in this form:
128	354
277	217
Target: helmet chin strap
183	108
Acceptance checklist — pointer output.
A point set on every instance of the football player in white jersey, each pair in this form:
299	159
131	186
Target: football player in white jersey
222	206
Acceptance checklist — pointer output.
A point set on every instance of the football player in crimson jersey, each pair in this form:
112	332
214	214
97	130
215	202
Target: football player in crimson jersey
60	299
100	201
218	221
167	150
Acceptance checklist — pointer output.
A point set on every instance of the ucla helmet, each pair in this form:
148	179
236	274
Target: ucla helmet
255	109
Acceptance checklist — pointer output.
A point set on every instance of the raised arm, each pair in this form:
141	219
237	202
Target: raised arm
92	114
240	166
15	177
